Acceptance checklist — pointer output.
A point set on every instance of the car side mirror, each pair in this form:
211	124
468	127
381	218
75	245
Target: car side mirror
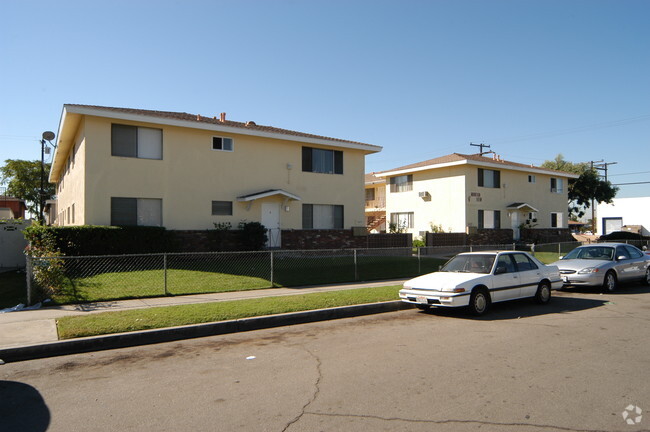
621	258
561	257
500	270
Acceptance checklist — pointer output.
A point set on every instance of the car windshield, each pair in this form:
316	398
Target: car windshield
592	253
469	264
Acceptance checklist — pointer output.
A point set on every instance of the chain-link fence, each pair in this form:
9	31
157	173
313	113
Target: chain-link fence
111	277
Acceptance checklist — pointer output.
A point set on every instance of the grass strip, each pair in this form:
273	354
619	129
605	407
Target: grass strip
171	316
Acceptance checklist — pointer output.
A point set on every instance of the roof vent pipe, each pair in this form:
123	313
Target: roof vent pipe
223	116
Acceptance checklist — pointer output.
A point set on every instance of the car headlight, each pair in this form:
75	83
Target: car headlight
589	270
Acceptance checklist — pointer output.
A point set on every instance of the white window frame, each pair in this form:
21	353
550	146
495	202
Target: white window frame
403	220
532	178
223	140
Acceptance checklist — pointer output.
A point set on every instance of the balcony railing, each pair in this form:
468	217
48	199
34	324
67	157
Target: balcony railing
375	204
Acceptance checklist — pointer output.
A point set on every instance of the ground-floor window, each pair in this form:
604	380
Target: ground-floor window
322	216
402	220
136	211
489	219
556	220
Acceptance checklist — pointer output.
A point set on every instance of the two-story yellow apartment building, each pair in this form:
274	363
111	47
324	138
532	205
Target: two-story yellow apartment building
119	166
460	193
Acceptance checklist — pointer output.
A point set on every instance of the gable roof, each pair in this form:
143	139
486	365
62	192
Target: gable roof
474	159
72	113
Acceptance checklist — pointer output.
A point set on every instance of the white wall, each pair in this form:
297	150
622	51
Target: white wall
633	211
12	243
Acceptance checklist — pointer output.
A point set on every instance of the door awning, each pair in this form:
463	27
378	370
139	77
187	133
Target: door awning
522	207
268	193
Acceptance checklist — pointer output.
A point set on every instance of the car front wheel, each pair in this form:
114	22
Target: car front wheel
610	282
479	302
543	294
647	276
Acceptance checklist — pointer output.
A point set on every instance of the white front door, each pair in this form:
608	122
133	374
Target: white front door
514	219
271	221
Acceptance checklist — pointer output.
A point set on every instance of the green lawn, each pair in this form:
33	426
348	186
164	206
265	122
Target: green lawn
13	289
143	319
547	257
202	276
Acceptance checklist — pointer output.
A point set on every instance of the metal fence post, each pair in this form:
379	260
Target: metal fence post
165	272
28	276
271	258
419	263
356	269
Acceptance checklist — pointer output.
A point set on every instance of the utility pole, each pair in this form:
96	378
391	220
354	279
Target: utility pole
481	145
600	165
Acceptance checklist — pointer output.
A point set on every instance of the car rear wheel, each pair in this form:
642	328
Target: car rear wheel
610	282
479	301
543	294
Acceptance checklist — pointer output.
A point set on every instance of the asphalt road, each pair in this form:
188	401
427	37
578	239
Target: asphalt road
573	365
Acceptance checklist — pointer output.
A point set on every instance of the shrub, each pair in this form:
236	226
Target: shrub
100	240
253	235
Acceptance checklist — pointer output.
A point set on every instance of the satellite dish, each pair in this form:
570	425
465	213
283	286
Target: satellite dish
48	136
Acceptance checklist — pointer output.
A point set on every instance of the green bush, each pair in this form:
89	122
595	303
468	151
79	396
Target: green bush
253	235
99	240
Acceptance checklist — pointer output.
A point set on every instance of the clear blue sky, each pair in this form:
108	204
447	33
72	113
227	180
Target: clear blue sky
420	78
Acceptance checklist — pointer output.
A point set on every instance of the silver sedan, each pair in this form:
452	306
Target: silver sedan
604	264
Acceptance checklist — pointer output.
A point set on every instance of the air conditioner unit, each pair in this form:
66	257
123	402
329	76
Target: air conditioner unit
424	194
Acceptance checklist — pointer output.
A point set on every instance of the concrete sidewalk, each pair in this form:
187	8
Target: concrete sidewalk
29	328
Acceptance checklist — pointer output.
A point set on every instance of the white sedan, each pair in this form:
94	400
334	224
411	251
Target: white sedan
477	279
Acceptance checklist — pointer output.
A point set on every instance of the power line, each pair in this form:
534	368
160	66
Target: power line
578	129
633	173
635	183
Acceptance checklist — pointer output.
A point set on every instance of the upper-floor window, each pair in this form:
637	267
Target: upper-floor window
489	178
370	194
222	143
402	183
557	185
136	141
531	178
322	161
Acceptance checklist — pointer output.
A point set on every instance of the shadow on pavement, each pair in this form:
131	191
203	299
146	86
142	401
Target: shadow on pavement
524	308
22	408
622	289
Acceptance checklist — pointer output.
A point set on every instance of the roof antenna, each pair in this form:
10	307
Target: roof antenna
481	145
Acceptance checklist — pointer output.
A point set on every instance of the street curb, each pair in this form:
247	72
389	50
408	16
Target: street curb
147	337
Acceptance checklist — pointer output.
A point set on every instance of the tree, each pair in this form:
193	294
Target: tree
587	187
23	179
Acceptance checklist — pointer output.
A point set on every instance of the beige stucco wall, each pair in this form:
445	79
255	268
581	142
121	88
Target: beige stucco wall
515	188
444	207
71	193
456	198
191	175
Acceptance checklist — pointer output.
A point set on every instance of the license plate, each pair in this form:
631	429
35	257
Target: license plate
422	299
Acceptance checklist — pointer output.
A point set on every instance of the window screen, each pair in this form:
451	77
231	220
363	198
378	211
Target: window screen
222	208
